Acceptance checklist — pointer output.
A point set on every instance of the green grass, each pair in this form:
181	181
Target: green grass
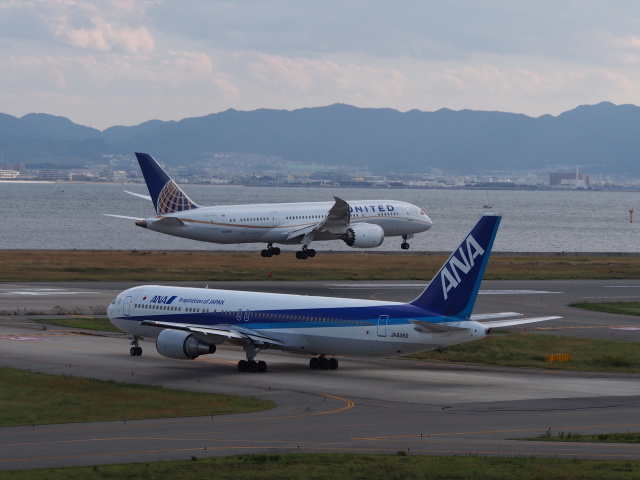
531	350
349	467
28	398
629	437
623	308
85	323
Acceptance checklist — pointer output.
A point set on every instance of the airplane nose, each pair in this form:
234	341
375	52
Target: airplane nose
425	218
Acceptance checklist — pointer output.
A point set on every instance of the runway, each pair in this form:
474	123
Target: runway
375	406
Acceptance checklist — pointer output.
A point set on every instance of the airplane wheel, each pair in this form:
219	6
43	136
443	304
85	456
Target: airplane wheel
138	351
314	363
262	366
333	364
266	253
276	250
253	366
311	252
324	363
243	366
133	352
301	255
405	246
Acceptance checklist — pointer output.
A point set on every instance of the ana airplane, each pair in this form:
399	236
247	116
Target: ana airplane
360	223
188	322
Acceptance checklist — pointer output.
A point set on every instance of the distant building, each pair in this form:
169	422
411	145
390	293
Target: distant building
7	174
20	167
57	175
569	180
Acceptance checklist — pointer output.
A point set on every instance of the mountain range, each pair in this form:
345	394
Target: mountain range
602	138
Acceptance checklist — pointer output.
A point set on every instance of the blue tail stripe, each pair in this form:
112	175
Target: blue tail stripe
454	289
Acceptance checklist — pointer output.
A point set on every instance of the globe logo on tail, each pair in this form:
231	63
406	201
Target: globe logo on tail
172	199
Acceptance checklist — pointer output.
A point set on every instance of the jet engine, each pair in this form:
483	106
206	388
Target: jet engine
182	345
363	235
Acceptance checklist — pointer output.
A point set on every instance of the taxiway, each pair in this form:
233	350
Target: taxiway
376	406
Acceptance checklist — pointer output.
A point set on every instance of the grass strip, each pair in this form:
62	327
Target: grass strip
531	349
349	467
622	308
152	266
629	437
28	398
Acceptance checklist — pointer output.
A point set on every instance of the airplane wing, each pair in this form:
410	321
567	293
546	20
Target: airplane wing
231	333
338	216
146	197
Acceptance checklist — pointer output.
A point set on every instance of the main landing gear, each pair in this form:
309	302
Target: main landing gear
135	350
305	253
323	363
404	245
270	251
250	365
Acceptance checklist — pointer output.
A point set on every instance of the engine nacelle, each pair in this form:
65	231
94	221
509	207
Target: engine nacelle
182	345
364	235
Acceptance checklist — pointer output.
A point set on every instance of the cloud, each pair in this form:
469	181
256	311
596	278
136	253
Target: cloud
105	37
95	25
304	76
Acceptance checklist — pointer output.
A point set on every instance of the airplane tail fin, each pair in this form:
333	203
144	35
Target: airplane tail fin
454	289
167	197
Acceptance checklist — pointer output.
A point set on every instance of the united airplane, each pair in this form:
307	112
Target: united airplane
360	223
188	322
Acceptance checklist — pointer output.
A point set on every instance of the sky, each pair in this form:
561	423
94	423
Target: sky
123	62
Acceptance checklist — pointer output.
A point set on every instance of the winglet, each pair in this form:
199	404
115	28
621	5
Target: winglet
454	289
167	197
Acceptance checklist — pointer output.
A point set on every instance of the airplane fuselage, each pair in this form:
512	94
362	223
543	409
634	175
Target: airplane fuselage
303	324
272	223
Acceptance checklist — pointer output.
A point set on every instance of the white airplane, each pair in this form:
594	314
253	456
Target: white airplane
188	322
360	223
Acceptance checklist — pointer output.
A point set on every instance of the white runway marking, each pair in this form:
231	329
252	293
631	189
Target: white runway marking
22	339
513	292
362	286
40	291
358	286
43	293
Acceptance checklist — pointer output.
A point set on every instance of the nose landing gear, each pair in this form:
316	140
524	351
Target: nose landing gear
404	245
135	350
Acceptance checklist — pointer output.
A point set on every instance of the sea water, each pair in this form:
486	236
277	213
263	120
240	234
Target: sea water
62	216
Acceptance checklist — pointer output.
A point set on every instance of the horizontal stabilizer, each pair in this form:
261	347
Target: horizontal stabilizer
123	216
433	327
520	321
170	222
488	316
140	195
